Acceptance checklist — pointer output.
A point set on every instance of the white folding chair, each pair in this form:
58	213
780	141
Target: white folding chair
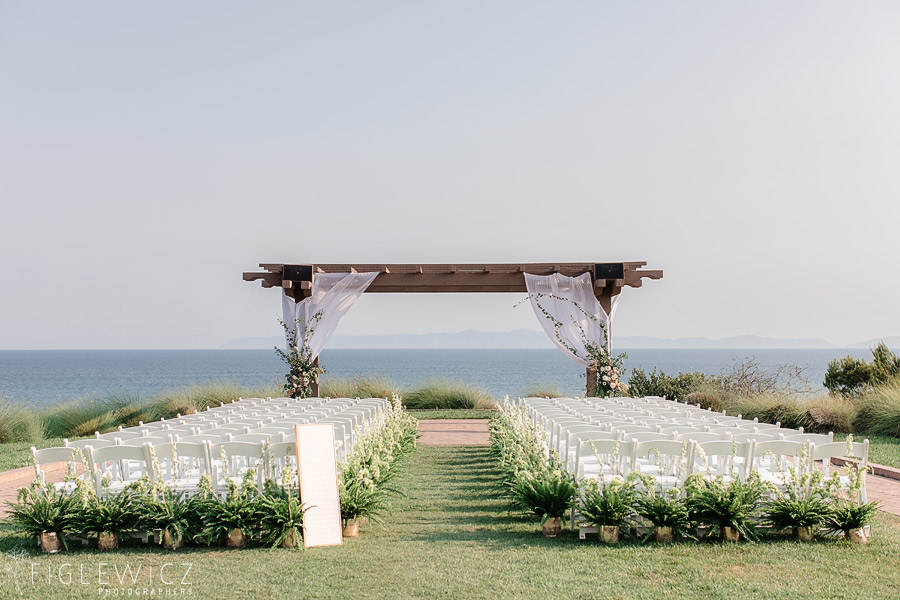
720	458
115	467
774	460
179	465
666	460
72	456
857	450
231	460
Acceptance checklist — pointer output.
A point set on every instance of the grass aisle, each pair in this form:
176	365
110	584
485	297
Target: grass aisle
450	537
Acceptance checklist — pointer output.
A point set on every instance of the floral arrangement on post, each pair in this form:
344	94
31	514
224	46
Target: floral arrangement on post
607	368
304	371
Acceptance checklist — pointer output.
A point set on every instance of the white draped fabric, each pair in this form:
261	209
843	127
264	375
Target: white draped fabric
315	318
565	300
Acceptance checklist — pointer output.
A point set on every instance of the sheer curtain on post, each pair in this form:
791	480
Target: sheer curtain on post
563	305
314	319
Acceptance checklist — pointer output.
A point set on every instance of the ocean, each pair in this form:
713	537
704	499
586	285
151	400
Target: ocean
42	378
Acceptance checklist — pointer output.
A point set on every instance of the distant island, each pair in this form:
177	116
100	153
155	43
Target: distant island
529	338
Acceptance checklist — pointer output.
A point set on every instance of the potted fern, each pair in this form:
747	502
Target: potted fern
548	493
173	516
607	505
45	513
361	499
666	509
232	519
281	516
105	518
804	515
732	506
851	519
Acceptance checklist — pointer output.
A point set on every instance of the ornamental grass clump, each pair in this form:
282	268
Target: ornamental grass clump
358	387
878	410
18	424
447	395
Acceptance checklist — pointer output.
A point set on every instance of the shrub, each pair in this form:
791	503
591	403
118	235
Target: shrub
659	384
878	410
443	395
745	377
711	399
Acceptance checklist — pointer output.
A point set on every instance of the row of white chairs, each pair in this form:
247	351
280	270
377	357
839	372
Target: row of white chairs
610	437
257	434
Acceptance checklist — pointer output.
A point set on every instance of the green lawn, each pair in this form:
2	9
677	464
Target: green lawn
18	454
458	413
451	538
883	449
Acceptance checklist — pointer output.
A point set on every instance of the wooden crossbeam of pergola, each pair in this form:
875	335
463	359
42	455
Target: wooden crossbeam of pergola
608	279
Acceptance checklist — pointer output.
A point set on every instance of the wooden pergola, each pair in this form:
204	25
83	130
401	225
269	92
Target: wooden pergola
608	278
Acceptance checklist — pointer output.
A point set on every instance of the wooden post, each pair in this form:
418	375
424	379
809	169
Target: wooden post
591	382
314	386
606	303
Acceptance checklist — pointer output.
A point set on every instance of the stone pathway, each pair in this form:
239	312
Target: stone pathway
454	432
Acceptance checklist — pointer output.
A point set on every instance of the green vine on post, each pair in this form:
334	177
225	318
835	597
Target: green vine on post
607	368
303	369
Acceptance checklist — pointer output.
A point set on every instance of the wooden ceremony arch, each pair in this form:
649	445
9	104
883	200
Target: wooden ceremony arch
608	278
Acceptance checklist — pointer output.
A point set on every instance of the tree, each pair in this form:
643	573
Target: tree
848	376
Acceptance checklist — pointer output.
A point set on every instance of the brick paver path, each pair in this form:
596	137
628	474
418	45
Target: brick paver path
454	432
11	481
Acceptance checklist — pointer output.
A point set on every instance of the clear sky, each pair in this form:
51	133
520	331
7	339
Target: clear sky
151	152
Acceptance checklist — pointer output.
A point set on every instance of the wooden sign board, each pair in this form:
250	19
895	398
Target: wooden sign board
317	472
